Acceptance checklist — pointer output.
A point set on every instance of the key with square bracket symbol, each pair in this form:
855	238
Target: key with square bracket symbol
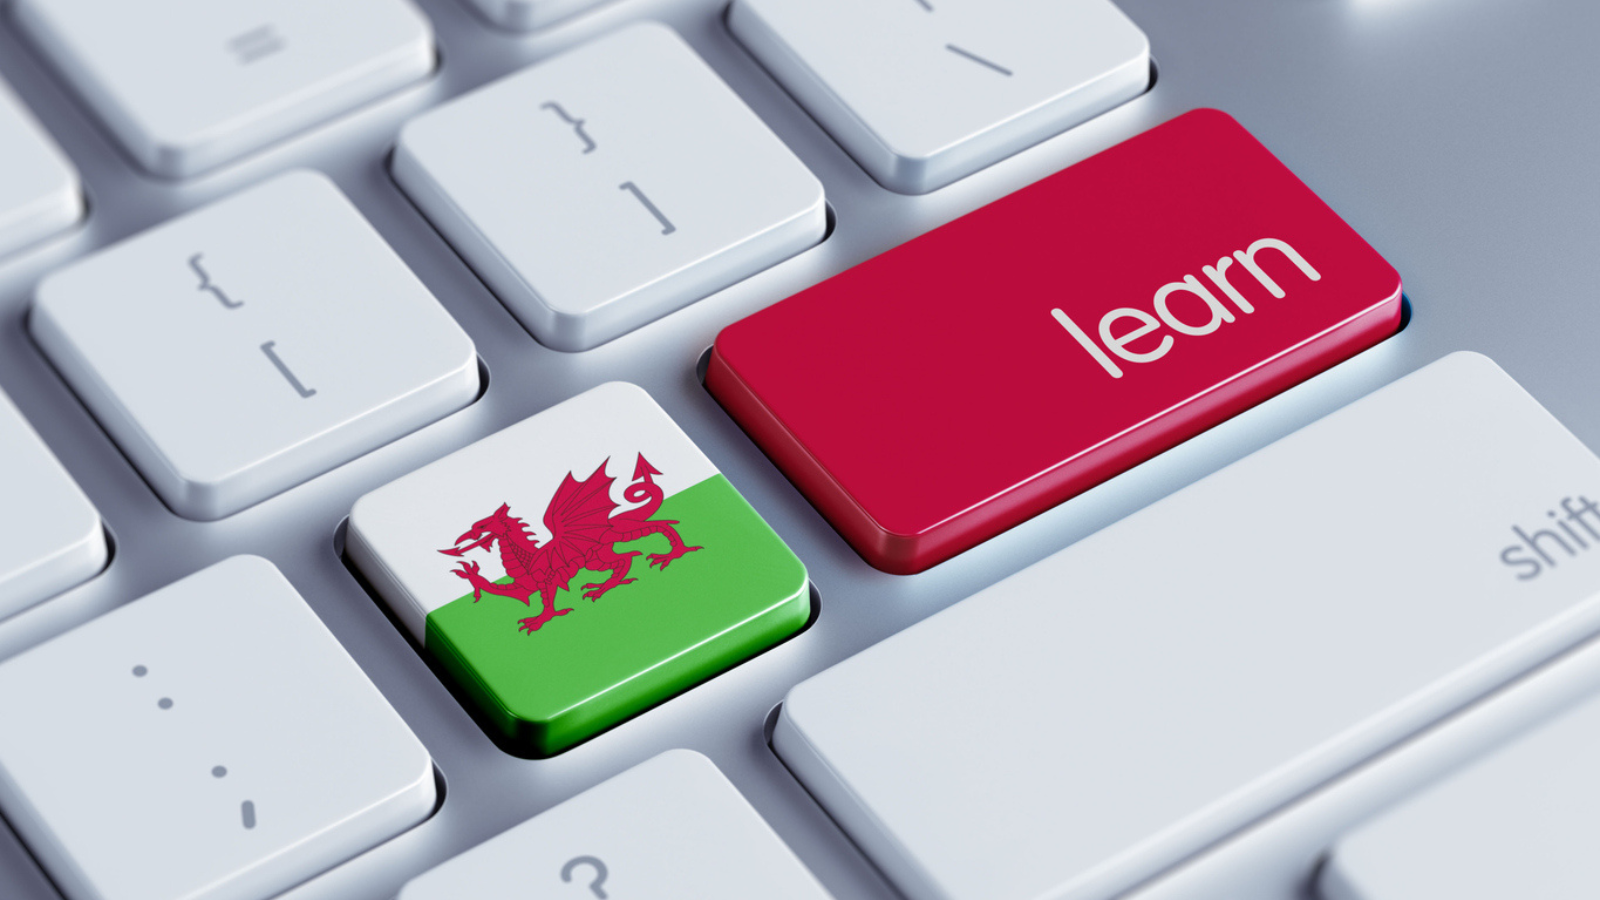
606	187
256	343
925	92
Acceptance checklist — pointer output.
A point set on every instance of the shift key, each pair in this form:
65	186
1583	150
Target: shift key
963	382
1102	715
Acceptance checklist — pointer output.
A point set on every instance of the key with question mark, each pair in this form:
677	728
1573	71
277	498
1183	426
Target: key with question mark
671	826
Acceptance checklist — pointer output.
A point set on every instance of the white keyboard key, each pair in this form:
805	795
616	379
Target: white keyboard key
256	343
39	192
1121	705
609	186
670	828
1520	823
211	740
189	85
528	15
50	535
925	92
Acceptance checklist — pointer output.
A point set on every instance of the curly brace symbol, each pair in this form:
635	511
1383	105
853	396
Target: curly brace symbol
577	125
208	286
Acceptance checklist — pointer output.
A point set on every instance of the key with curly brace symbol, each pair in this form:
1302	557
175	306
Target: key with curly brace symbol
589	146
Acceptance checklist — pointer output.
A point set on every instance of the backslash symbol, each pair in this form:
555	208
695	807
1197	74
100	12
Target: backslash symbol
257	43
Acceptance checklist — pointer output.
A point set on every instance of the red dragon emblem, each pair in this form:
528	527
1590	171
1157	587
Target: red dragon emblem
583	535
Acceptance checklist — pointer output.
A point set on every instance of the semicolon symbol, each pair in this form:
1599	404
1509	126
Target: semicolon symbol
207	286
596	884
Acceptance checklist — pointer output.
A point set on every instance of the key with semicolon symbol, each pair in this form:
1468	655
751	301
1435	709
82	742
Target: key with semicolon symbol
190	85
39	192
51	537
1518	823
211	740
1195	277
670	828
1263	630
606	187
256	343
925	92
577	568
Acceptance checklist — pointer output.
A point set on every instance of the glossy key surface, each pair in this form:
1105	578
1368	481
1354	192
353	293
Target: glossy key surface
670	828
246	347
938	394
50	534
608	186
528	15
1104	714
39	192
210	741
1519	823
190	85
925	92
578	567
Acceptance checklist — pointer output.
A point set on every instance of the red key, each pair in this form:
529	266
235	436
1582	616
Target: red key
963	382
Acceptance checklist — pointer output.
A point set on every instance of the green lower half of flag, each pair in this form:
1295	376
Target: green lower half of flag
640	643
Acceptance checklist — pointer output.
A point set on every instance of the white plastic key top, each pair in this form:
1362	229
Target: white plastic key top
256	343
39	193
50	535
528	15
1520	823
211	740
609	186
189	85
1259	632
671	828
925	92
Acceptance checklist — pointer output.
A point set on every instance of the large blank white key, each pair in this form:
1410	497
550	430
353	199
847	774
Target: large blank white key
39	192
671	828
609	186
925	92
261	341
1118	706
50	534
211	741
188	85
1521	823
527	15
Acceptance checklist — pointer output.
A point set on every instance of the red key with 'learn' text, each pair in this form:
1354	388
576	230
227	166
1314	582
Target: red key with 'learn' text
963	382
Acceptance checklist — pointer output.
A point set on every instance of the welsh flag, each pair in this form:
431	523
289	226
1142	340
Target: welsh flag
603	570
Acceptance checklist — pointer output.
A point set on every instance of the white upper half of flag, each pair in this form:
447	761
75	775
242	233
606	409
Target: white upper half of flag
397	531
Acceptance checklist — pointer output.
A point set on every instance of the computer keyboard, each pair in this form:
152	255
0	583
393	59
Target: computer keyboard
261	260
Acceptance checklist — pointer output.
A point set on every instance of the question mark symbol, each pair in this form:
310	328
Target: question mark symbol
599	873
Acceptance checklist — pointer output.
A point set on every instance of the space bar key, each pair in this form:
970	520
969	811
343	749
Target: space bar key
1116	708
